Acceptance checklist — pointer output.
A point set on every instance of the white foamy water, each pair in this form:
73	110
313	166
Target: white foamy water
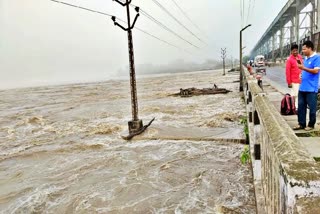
61	150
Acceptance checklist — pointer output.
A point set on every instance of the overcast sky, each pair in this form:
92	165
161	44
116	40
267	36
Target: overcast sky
45	42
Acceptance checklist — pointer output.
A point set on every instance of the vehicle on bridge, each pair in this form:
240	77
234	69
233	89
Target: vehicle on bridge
259	61
260	65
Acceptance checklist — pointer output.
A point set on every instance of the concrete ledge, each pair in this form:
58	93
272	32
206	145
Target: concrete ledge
287	145
289	173
234	135
297	164
254	88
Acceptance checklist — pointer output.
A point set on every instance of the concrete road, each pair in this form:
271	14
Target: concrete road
278	75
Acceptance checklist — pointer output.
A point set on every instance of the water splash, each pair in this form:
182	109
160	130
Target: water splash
61	150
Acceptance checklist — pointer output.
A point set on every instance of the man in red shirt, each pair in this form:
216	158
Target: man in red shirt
293	73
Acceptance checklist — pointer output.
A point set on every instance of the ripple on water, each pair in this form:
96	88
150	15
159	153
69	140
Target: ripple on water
61	151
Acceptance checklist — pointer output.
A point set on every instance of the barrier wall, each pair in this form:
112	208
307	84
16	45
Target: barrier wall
289	178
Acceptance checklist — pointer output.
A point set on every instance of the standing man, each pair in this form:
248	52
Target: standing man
293	72
308	88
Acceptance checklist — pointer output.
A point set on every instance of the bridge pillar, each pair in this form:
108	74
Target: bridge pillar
269	48
281	42
266	48
318	15
312	20
274	47
292	36
297	24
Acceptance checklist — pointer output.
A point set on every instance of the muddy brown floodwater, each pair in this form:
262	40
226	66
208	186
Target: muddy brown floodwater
61	149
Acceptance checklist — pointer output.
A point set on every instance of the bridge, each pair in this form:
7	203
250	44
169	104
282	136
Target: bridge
285	163
298	21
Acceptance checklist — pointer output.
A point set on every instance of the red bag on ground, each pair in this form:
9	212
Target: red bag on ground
288	106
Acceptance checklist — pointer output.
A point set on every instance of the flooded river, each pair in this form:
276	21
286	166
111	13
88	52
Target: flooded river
61	149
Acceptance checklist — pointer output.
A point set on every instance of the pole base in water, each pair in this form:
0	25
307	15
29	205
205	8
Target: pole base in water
134	131
135	125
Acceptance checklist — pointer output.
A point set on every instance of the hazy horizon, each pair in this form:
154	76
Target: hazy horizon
42	41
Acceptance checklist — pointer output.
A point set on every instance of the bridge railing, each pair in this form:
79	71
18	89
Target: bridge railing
289	176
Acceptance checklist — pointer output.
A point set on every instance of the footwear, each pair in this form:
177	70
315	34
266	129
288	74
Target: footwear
309	128
298	127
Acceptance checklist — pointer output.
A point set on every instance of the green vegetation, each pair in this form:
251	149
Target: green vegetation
245	155
244	122
242	98
317	159
309	134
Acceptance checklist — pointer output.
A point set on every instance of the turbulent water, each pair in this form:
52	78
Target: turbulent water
61	149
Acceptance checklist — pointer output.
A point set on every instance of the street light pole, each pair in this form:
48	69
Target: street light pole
241	69
223	56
